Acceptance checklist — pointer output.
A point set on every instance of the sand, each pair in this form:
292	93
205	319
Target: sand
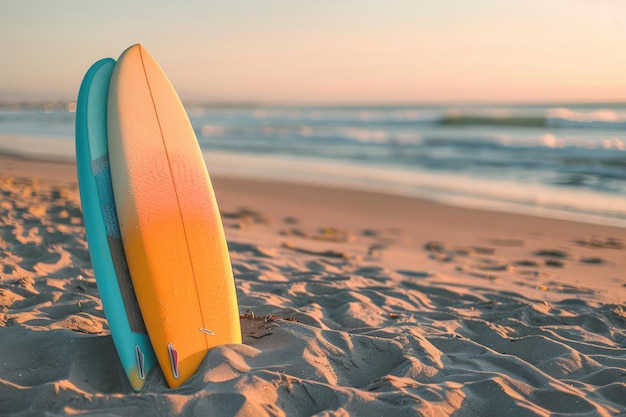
351	303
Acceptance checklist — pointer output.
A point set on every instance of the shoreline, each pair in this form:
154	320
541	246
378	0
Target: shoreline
65	171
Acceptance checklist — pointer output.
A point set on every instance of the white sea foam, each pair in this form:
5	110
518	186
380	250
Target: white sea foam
602	118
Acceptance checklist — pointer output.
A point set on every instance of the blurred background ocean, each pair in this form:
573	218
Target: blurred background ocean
564	161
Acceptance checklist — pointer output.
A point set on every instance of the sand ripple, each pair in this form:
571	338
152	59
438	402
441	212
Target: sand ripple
323	335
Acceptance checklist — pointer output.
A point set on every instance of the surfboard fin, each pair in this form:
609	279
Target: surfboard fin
140	358
173	360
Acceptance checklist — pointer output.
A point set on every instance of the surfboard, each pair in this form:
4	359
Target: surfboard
101	226
169	219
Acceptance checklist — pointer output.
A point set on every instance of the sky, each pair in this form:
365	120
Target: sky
326	51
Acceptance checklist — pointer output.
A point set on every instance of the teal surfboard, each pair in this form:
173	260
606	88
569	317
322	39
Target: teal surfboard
102	228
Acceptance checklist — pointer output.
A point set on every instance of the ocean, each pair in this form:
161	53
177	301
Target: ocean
565	161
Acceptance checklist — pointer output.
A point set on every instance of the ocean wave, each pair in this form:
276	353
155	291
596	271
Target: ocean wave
492	120
465	141
554	118
563	117
390	118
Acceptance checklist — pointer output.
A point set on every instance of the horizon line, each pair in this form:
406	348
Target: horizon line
33	103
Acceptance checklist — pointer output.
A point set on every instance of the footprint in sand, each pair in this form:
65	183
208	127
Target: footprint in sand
439	247
325	234
325	253
444	252
594	261
551	253
556	258
607	243
244	218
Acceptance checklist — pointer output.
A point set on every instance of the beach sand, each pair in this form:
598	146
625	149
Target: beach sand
351	303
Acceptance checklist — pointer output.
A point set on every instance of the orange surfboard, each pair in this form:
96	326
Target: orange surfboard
169	220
